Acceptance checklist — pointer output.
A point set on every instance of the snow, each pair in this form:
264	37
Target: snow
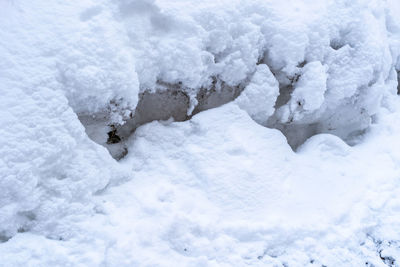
224	41
259	96
308	96
220	189
76	49
253	133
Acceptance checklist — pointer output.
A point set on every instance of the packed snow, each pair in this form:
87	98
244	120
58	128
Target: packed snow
200	133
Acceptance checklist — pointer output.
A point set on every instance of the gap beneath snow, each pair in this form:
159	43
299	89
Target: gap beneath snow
171	102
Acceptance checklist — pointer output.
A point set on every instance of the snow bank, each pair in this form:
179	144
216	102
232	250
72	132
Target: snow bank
221	190
217	188
334	61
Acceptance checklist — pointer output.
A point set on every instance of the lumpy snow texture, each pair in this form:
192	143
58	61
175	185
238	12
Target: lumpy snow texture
78	50
219	189
259	96
334	60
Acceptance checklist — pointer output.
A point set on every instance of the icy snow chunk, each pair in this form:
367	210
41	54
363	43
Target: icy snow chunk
259	96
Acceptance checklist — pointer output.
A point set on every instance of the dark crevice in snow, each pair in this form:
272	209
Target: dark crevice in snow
287	84
342	39
168	101
158	105
22	230
297	134
113	138
284	95
398	82
174	102
4	238
27	218
180	103
220	93
336	44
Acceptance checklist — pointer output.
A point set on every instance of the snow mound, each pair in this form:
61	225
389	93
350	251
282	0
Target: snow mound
221	190
181	92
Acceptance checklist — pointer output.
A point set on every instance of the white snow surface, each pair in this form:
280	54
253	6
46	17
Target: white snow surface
259	96
221	188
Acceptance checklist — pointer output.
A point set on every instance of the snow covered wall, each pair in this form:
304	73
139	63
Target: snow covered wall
74	72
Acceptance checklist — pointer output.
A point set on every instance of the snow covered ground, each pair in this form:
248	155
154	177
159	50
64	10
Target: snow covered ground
283	149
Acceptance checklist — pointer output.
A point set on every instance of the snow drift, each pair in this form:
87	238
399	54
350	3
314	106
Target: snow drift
332	63
214	187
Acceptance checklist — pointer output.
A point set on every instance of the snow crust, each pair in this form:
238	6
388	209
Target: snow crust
216	185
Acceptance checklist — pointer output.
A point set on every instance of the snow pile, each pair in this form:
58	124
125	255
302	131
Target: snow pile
221	190
50	62
210	187
334	61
